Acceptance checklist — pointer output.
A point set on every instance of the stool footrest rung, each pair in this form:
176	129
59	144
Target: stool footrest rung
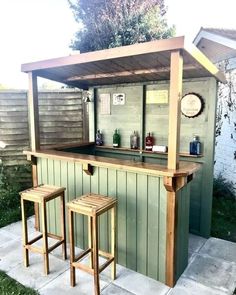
55	245
105	264
34	248
83	267
35	239
53	236
105	254
82	254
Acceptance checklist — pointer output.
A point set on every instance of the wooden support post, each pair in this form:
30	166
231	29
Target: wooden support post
176	75
33	112
34	132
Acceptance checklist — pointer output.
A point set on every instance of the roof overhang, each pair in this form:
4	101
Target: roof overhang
142	62
215	46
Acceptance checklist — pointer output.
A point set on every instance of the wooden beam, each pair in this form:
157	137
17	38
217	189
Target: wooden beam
176	77
33	112
140	72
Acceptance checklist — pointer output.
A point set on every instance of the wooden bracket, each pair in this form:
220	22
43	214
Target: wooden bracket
88	169
173	184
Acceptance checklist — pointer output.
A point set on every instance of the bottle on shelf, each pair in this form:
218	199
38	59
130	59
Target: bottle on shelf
149	142
134	140
195	146
99	138
116	139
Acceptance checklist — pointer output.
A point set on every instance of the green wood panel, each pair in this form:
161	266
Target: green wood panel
142	224
153	226
122	217
141	215
183	201
79	219
103	219
131	220
162	232
57	182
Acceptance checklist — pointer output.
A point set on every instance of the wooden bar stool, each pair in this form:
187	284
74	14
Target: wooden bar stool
41	195
93	206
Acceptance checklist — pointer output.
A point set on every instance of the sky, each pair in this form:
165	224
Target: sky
32	30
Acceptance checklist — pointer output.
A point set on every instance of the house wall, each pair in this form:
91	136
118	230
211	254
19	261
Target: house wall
225	149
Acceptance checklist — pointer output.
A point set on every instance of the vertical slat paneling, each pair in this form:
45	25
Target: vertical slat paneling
141	216
64	183
79	218
86	189
162	231
142	226
51	204
122	217
45	181
132	220
153	226
57	182
103	219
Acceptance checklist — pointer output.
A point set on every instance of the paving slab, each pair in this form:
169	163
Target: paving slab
61	286
33	276
185	286
195	243
212	272
220	249
16	228
10	255
6	237
139	284
115	290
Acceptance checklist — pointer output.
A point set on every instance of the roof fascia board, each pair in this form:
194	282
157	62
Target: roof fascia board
113	53
205	62
215	38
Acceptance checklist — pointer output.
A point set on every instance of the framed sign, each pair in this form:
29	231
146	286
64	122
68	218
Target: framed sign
118	99
192	105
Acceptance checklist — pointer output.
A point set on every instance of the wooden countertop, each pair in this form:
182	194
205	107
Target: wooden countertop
186	168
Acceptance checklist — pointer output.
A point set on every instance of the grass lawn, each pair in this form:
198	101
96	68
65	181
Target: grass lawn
9	286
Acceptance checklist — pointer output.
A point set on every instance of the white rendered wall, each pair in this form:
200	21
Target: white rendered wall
225	149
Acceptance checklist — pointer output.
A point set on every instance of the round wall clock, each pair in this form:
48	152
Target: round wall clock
192	105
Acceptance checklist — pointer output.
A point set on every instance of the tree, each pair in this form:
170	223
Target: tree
112	23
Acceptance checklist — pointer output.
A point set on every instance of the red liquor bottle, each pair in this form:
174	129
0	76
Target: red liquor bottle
149	142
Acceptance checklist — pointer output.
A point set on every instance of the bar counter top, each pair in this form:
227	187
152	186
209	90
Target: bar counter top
185	169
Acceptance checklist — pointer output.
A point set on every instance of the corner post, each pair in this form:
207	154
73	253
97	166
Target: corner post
176	80
33	112
34	133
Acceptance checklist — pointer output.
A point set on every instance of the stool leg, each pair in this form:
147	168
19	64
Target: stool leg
24	233
113	242
90	240
45	238
72	247
95	255
63	228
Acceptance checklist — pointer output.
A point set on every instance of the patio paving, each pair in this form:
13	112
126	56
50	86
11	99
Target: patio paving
211	270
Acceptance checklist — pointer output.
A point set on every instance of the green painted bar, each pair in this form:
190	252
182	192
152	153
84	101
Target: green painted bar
141	216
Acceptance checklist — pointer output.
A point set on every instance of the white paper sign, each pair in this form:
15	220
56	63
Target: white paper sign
105	103
118	99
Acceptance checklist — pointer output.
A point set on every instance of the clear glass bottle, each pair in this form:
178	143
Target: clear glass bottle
195	146
116	139
99	138
149	142
134	140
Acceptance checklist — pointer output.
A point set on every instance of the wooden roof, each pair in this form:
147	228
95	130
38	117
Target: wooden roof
142	62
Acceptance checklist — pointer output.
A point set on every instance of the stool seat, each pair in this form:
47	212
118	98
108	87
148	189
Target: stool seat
92	206
42	194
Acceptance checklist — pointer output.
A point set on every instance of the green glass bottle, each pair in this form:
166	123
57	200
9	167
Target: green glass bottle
116	139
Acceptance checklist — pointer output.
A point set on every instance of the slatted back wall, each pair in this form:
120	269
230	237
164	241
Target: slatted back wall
61	121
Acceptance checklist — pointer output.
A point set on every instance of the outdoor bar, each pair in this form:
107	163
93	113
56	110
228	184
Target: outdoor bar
153	188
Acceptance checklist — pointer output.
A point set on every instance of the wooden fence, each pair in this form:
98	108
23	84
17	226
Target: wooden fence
60	115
